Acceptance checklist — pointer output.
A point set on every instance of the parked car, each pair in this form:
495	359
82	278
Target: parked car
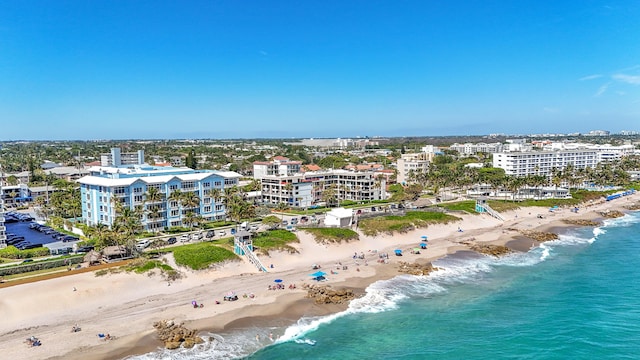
196	236
69	238
27	261
172	240
304	219
184	238
84	249
210	234
143	244
285	222
294	221
222	233
253	227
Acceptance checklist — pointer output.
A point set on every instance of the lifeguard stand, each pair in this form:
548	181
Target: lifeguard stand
241	241
481	204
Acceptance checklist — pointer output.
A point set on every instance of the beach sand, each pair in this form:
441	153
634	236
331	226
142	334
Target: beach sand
126	305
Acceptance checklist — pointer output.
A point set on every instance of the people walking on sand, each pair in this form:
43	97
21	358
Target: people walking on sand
271	336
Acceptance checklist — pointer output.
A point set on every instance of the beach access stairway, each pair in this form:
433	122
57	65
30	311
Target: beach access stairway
252	257
484	207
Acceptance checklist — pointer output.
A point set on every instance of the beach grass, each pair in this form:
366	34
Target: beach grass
144	266
275	240
202	255
501	206
410	221
336	235
469	206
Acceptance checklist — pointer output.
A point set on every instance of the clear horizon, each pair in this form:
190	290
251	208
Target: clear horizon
231	70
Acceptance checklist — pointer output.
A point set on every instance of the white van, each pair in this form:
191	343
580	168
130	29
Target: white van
143	244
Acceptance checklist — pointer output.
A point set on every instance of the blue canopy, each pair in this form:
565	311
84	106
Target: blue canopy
398	251
277	280
423	245
318	274
424	237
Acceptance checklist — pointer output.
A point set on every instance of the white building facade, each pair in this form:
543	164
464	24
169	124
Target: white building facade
542	162
281	185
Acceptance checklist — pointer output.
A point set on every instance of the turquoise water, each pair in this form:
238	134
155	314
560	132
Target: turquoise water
575	298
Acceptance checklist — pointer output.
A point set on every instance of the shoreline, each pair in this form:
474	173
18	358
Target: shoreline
153	300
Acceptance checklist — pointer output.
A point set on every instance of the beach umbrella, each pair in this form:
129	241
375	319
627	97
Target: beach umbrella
423	245
277	280
318	274
231	293
423	237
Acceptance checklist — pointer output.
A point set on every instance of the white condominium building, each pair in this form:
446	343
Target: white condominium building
471	149
541	162
412	163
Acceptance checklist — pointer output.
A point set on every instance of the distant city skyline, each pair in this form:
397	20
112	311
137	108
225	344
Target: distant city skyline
287	69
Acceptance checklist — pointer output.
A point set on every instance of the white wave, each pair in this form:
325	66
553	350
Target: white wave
545	252
380	296
623	221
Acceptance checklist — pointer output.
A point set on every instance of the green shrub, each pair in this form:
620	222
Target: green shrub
275	240
40	265
11	252
201	255
410	221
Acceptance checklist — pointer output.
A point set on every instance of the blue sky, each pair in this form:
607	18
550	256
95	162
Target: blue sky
227	69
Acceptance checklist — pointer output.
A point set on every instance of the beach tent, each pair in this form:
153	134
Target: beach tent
416	251
398	252
423	245
318	275
424	237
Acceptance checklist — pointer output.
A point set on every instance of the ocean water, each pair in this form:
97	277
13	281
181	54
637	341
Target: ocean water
574	298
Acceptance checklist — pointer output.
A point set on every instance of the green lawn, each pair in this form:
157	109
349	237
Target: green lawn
202	255
332	234
408	222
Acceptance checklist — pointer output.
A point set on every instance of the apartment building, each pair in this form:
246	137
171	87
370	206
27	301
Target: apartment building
471	148
412	163
282	182
118	158
542	162
129	186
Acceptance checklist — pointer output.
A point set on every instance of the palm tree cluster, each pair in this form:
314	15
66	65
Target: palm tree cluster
455	175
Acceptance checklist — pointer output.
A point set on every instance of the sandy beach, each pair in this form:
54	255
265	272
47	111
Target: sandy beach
126	305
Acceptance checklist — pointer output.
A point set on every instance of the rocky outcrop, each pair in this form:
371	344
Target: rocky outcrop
176	335
611	214
493	250
327	295
539	236
416	269
581	222
633	207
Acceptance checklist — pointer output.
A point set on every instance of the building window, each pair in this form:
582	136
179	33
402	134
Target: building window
173	187
137	198
217	183
207	209
137	190
206	184
174	213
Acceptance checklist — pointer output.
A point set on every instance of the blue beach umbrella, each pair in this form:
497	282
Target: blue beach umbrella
277	280
423	237
318	274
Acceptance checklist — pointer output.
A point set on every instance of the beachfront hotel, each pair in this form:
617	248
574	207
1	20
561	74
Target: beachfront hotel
282	182
129	185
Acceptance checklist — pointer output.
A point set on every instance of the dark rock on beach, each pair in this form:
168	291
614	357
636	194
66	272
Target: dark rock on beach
611	214
416	269
176	335
539	236
327	295
581	222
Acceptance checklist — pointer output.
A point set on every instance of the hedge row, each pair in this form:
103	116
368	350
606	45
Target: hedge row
35	266
11	252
